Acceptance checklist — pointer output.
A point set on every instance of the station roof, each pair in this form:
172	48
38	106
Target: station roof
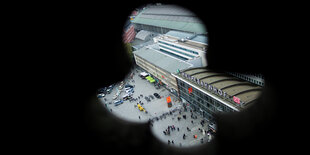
186	39
172	17
161	60
185	35
143	34
244	90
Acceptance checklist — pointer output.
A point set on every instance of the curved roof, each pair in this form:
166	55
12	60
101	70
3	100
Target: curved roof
244	90
171	17
142	35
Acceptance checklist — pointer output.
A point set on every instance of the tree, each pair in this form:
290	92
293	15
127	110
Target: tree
128	49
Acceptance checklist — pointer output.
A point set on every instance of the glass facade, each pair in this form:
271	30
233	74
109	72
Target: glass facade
257	79
181	48
200	101
177	51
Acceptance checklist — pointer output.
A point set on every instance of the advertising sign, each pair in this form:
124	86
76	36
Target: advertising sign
190	90
205	85
236	99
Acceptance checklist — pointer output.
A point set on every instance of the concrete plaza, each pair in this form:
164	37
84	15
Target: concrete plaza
158	112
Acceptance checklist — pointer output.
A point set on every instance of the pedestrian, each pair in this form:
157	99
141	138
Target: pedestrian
172	142
168	142
139	117
178	129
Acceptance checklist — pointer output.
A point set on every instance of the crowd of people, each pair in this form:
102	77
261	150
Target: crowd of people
174	130
180	114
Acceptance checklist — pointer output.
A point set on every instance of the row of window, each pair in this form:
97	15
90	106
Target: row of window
184	49
245	77
177	51
201	100
152	28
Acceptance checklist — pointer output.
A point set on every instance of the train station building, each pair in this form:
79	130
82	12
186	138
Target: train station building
160	66
209	92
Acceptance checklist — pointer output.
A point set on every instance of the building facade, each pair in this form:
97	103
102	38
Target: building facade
160	66
210	92
129	33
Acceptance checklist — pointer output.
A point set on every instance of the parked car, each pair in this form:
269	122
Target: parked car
128	86
121	85
102	90
118	102
101	95
115	96
111	86
127	96
156	95
129	90
212	126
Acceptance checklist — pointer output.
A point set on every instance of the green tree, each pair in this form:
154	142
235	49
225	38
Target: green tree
128	49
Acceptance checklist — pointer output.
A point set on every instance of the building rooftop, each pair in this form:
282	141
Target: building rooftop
172	17
161	60
232	86
186	39
202	39
142	35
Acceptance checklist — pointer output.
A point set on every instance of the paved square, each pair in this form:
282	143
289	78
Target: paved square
158	112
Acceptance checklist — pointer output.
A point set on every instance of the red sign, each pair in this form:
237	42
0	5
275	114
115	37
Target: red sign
236	99
190	90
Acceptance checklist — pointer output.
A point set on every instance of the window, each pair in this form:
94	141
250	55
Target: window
190	51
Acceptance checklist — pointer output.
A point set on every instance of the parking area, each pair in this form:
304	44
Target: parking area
142	88
168	123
